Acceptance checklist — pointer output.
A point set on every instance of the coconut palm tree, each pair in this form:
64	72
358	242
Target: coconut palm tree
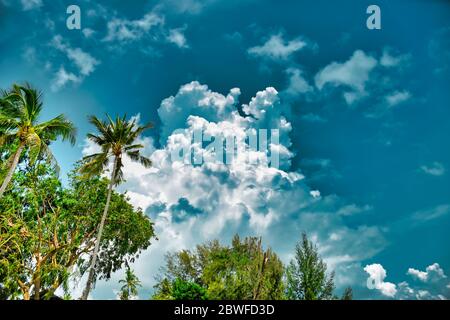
20	108
131	283
115	139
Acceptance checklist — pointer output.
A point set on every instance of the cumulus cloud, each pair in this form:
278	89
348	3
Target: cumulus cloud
377	274
435	169
433	283
190	204
432	273
276	48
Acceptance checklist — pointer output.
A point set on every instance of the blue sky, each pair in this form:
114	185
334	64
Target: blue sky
368	113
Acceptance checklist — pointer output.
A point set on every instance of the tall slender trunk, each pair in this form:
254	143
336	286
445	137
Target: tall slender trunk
90	279
11	169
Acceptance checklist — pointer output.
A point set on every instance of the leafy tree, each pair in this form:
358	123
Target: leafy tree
130	286
348	294
20	108
115	138
306	274
46	231
185	290
240	271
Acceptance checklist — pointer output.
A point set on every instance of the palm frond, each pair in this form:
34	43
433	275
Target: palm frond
136	156
7	139
58	127
94	164
47	154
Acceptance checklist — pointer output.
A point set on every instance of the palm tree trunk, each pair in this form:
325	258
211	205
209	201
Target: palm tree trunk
11	169
90	279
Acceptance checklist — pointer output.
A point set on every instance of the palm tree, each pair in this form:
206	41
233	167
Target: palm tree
115	139
20	108
130	286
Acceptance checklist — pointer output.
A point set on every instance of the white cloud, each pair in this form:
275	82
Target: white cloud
431	214
297	83
389	60
31	4
435	169
250	198
364	76
432	273
124	30
276	48
88	32
62	77
433	283
377	274
315	193
83	61
397	97
354	74
176	36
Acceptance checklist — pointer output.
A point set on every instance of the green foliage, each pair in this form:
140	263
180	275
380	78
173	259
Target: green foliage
47	230
240	271
185	290
348	294
20	109
306	274
130	286
115	138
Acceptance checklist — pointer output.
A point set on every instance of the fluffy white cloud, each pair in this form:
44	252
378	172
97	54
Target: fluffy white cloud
194	203
433	283
353	73
435	169
432	273
276	48
377	274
